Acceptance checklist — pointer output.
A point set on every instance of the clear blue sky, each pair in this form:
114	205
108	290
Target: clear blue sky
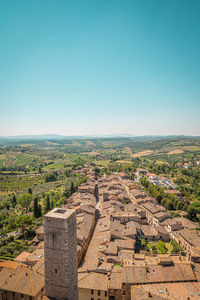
88	67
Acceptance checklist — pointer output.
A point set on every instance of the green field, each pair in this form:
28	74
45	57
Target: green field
11	159
23	159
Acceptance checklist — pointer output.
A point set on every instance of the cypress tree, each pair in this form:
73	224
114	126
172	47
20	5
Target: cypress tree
52	204
39	211
72	188
36	208
47	206
30	191
14	200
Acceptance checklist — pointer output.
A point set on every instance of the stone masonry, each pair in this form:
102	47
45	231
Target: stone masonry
60	245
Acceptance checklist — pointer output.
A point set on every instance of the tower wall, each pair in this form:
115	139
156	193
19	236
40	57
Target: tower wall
60	245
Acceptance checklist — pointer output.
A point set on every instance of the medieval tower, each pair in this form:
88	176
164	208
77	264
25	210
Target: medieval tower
60	245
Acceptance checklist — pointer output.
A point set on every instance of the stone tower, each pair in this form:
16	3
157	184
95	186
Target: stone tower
60	253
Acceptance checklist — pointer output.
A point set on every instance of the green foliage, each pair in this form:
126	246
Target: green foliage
51	177
11	222
11	248
47	206
169	201
156	248
193	211
97	171
24	220
143	243
25	200
36	208
14	200
162	248
72	188
30	190
176	248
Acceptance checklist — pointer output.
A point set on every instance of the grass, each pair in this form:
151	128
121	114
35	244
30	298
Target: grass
55	166
11	159
160	163
118	266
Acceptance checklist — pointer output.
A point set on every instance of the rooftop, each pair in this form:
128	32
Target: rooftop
60	213
175	291
22	280
157	274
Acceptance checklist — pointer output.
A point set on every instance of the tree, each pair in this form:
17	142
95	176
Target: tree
176	248
51	177
47	206
192	213
97	171
14	200
169	205
179	205
66	193
162	248
12	222
24	220
154	250
143	243
39	211
72	188
52	204
30	191
36	208
25	200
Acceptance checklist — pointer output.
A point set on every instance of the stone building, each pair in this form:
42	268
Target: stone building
60	251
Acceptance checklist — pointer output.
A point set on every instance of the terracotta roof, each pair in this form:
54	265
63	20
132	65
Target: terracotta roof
158	273
115	281
93	280
23	280
22	256
9	264
161	291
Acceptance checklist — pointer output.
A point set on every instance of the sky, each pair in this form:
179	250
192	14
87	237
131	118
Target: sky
75	67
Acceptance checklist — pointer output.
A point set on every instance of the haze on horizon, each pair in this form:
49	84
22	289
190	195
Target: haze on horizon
100	67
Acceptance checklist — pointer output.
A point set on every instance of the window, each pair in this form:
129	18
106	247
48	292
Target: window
56	271
99	292
105	293
92	292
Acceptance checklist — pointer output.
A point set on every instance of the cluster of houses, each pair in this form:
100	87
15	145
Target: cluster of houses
161	181
113	214
128	215
188	165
